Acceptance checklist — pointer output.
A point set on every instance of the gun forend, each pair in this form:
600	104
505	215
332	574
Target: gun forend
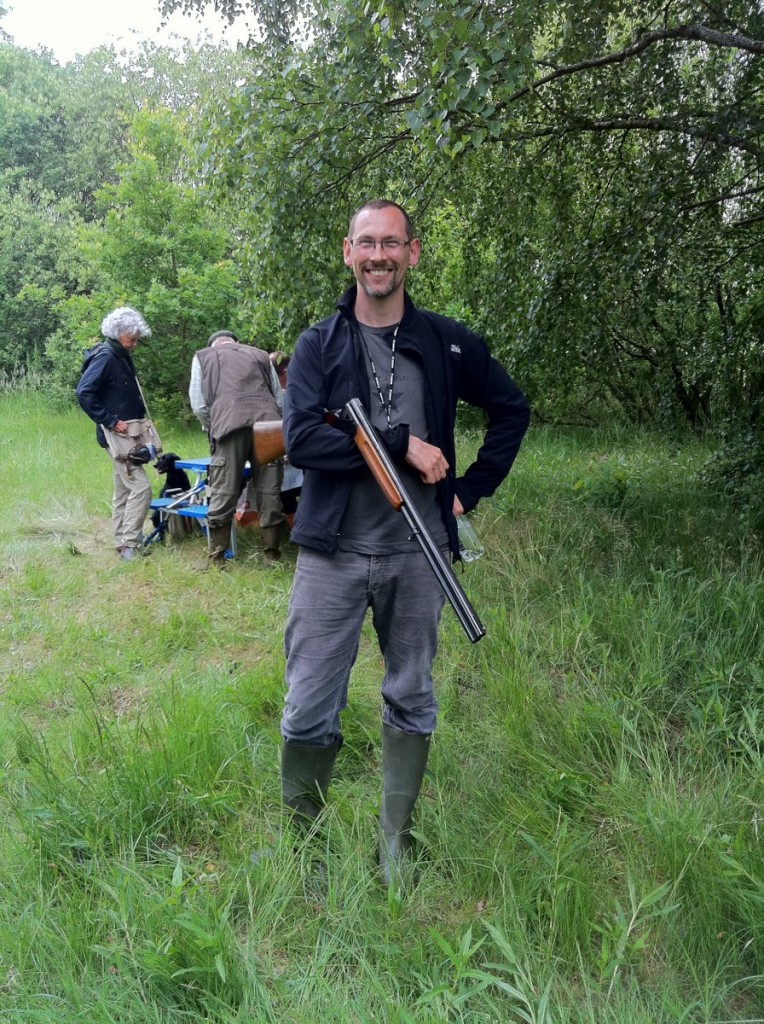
379	462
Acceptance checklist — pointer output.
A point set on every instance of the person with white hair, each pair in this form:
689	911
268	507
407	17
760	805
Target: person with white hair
108	392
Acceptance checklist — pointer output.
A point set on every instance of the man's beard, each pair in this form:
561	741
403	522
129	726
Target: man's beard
380	291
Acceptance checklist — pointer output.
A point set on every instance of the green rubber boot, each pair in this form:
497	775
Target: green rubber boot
404	759
306	772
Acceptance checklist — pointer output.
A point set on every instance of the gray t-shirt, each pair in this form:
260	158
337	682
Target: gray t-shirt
370	525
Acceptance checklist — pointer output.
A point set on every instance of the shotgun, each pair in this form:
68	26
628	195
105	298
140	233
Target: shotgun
384	472
267	442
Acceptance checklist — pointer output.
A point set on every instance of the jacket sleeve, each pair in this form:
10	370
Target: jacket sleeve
485	383
311	442
90	388
276	388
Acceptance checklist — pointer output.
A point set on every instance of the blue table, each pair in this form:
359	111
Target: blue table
200	467
192	504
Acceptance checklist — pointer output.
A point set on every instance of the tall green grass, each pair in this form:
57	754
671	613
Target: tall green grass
591	821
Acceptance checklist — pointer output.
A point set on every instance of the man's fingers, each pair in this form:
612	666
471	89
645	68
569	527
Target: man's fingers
428	459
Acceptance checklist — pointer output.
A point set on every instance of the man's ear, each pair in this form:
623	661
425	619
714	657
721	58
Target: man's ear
415	249
347	252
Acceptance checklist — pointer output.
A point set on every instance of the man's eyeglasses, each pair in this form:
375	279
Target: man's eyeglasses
389	245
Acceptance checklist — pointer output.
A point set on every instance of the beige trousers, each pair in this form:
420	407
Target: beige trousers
130	503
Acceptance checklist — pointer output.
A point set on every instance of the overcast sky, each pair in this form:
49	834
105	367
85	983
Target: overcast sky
69	27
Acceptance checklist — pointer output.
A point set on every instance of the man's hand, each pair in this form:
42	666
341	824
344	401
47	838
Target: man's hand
428	459
120	427
457	508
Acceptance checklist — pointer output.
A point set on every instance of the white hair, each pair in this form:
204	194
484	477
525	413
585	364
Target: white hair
125	320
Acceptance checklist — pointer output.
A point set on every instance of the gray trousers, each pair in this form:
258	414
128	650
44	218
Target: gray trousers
330	597
130	503
229	456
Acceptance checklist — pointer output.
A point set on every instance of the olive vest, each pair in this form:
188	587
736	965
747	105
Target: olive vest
236	384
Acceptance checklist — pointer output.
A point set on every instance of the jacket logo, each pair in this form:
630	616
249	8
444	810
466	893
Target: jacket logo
457	349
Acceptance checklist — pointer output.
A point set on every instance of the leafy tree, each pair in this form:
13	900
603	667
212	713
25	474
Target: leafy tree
67	159
60	133
180	78
161	249
37	237
62	130
97	109
604	164
454	76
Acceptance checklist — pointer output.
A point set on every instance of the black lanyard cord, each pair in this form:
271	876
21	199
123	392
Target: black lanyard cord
386	405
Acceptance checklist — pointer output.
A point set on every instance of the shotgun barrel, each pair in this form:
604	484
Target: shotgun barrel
386	475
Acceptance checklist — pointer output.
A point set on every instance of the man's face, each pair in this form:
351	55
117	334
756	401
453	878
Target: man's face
128	340
380	272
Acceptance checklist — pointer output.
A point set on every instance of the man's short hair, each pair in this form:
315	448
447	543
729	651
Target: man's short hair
382	204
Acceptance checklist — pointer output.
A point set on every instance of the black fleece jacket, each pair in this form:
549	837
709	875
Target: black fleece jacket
327	370
108	388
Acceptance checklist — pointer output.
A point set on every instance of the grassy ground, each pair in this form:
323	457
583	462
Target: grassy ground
592	815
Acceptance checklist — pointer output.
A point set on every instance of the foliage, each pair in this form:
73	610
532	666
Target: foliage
736	468
586	181
36	241
62	130
161	249
100	206
603	166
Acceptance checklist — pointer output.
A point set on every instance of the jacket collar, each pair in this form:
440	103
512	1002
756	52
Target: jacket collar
346	306
119	350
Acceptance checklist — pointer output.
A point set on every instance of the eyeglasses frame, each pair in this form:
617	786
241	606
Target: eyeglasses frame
372	244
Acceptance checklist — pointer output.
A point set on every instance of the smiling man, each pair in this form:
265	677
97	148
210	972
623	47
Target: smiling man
380	268
409	368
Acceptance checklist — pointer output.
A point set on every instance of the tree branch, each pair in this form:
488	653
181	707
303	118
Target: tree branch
661	124
693	33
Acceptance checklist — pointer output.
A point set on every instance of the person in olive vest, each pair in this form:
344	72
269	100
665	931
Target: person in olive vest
233	386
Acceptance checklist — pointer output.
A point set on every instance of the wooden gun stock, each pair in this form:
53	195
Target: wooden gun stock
267	442
384	472
375	464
